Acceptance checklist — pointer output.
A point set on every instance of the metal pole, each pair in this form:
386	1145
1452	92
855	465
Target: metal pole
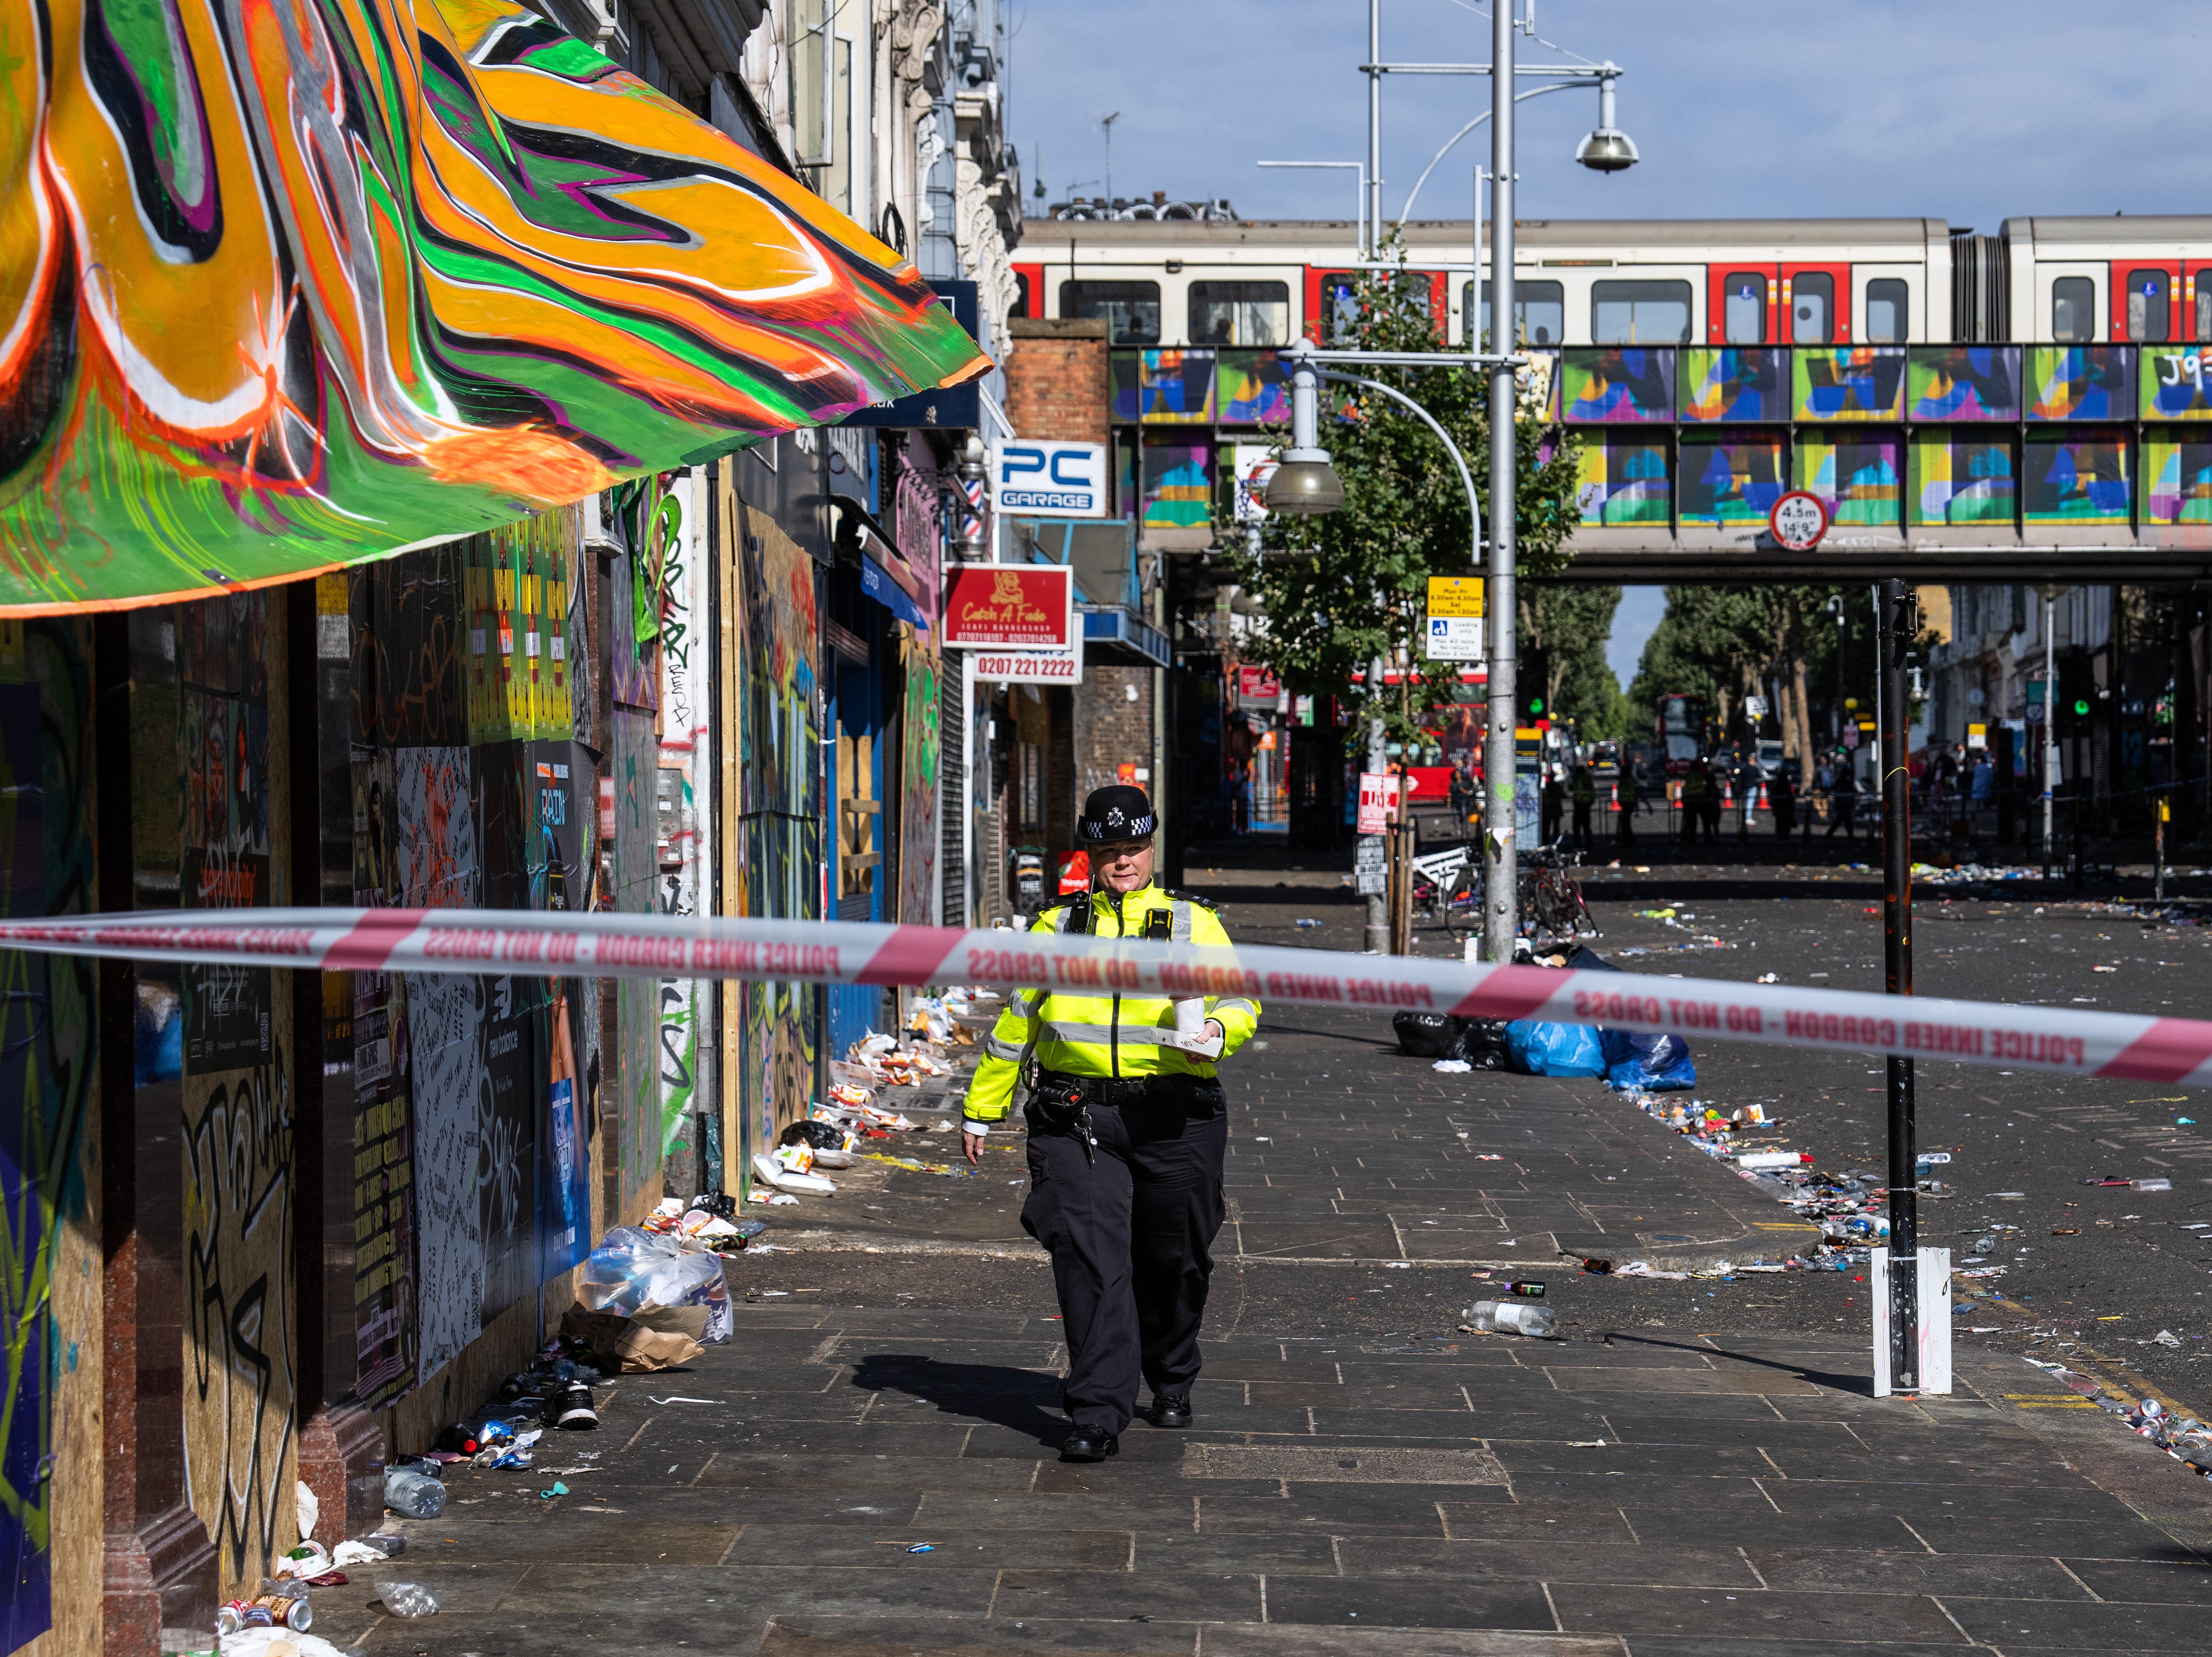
1897	627
1378	762
1374	126
2049	724
1501	917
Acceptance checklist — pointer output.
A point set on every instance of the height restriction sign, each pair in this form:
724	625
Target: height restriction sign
1799	520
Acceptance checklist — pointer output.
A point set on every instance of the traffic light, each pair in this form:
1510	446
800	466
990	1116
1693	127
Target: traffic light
1535	675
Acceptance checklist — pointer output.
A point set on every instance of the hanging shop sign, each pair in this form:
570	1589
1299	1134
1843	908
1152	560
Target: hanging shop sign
1257	687
1011	607
1049	479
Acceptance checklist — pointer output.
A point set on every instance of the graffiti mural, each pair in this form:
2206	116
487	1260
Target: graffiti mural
636	767
439	867
921	746
241	1450
46	1050
281	297
685	803
781	811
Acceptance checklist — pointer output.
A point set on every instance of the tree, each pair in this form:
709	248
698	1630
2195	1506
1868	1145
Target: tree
1341	590
1571	626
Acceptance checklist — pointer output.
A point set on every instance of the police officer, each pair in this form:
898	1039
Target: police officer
1127	1135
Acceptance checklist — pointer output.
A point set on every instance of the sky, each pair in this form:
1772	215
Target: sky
1968	111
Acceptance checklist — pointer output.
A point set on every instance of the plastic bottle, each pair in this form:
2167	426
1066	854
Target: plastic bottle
409	1599
417	1495
1757	1159
2159	1184
1527	1289
1513	1317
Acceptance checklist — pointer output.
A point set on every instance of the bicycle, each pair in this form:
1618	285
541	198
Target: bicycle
1552	901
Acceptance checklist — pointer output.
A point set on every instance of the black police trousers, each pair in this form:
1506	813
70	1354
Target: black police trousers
1130	1229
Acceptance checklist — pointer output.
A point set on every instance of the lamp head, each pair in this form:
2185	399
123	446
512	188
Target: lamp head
1306	485
1608	150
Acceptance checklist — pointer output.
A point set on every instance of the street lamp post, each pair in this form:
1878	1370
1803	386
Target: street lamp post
1501	919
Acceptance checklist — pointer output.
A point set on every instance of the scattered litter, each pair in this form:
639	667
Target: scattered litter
413	1493
1586	1443
2167	1338
369	1549
683	1400
1512	1317
923	1547
1307	925
409	1599
1452	1066
559	1489
1770	978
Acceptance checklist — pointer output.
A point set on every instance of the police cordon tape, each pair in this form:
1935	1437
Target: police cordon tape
500	942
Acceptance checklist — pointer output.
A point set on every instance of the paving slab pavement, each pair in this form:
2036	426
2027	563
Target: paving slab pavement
1699	1467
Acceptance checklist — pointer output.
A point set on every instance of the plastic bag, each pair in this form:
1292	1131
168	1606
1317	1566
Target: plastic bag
1640	1060
630	1267
1429	1034
1537	1048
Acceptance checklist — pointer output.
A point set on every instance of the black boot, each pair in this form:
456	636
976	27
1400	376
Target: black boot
1090	1444
1170	1410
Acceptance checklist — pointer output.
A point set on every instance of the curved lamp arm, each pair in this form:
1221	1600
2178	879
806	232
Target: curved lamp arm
1466	478
1519	98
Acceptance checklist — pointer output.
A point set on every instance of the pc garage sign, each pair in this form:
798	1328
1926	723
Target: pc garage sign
1049	479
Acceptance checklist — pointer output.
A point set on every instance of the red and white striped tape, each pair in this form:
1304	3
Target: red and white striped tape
2070	1041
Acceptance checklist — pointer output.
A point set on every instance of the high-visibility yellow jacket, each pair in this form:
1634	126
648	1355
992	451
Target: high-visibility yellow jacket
1084	1035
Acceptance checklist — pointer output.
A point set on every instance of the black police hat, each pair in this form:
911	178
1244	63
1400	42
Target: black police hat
1117	812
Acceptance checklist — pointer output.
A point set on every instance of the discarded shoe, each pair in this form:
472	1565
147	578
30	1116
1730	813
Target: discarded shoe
570	1406
1170	1410
1090	1444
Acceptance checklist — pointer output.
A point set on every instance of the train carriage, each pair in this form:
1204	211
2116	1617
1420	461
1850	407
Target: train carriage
1994	403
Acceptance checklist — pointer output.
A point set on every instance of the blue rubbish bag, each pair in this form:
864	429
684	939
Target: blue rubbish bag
1537	1048
1639	1060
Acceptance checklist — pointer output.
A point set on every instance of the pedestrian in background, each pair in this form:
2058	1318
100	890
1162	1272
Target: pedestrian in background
1583	790
1554	807
1782	800
1843	801
1626	794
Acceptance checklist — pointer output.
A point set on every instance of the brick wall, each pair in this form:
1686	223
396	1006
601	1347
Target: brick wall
1111	729
1056	379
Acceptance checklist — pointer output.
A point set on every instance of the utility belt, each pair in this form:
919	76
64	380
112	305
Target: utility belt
1062	1101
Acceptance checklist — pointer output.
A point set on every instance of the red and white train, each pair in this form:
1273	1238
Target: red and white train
1646	281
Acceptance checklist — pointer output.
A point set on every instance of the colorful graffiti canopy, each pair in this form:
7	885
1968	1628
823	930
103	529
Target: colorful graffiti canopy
289	283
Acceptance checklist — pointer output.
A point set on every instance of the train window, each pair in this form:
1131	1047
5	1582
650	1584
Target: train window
1887	312
2203	333
1021	295
1339	302
1811	309
1240	313
1131	309
1743	313
2149	306
1540	310
1640	312
2073	310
